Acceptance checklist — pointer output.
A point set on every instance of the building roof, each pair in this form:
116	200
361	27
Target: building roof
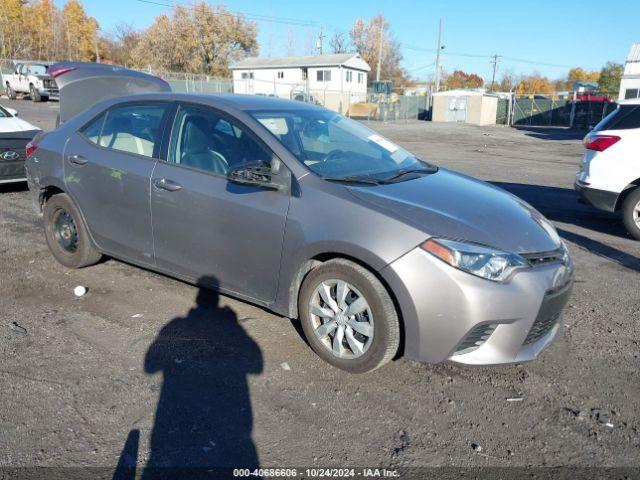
351	60
632	67
461	93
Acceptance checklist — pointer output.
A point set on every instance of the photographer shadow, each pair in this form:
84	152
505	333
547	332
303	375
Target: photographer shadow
203	418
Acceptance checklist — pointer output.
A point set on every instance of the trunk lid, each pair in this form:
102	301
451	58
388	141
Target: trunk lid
82	85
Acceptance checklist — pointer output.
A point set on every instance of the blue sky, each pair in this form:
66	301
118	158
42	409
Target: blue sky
559	33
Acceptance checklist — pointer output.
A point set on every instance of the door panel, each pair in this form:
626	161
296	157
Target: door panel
213	228
108	167
112	190
203	225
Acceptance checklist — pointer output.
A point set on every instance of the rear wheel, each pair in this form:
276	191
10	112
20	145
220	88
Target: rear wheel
348	316
631	213
10	92
67	235
35	95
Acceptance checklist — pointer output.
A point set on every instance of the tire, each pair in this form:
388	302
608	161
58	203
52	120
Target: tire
67	235
11	94
379	317
631	213
34	94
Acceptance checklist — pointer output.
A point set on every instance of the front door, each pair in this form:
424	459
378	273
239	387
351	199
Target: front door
206	227
107	170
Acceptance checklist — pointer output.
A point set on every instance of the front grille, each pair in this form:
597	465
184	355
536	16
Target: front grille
475	338
50	85
543	258
549	314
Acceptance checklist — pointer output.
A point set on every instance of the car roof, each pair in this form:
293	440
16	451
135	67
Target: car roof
235	101
633	101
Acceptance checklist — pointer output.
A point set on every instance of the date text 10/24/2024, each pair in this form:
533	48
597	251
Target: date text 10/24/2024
317	472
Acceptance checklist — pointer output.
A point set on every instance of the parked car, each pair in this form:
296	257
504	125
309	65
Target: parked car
303	211
32	79
609	175
15	133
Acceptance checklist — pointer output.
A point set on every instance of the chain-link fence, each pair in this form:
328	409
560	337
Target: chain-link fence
553	110
195	83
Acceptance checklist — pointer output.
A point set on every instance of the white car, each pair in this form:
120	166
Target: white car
609	175
15	133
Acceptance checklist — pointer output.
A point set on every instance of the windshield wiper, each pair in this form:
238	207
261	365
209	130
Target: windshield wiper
402	173
356	179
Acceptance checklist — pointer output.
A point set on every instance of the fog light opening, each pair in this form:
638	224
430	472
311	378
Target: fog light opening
476	338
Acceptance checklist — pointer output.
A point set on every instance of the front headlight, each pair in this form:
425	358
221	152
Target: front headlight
485	262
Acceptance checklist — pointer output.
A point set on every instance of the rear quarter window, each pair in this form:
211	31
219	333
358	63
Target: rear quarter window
623	118
93	129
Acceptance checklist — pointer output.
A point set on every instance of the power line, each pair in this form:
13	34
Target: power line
250	16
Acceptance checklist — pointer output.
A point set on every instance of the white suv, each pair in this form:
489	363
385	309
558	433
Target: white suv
609	175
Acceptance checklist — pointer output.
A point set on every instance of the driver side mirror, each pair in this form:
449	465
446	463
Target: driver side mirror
12	111
259	173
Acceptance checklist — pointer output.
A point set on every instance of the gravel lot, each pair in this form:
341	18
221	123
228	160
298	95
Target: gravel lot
223	382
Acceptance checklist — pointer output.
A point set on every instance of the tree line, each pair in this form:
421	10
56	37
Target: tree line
195	38
607	79
200	38
40	30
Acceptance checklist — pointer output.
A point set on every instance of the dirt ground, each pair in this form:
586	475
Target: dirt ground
145	367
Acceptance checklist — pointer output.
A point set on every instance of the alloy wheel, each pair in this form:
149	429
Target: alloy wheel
341	319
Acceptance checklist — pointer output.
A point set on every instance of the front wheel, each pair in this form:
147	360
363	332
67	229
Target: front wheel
631	213
67	235
10	92
34	94
348	316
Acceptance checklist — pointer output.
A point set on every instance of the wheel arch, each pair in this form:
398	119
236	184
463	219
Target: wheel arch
626	191
323	257
54	187
48	191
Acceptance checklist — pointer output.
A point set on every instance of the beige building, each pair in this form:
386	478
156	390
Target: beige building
464	106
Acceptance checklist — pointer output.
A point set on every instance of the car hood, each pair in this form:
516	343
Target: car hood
14	124
455	206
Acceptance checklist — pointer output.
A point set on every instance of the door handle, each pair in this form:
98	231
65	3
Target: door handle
77	159
167	184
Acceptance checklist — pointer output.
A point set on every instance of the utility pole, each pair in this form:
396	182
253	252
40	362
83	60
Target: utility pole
494	61
320	40
379	51
438	56
97	49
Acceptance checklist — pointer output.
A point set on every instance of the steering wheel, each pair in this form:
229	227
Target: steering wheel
333	154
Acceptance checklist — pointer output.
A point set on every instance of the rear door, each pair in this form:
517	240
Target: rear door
205	226
23	81
107	169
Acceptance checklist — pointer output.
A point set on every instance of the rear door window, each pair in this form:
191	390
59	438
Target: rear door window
133	128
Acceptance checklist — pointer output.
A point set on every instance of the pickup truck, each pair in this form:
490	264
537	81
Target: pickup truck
31	78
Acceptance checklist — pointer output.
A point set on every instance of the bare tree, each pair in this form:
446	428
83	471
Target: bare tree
339	43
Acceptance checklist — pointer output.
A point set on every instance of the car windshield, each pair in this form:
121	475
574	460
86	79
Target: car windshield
337	148
38	69
4	113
